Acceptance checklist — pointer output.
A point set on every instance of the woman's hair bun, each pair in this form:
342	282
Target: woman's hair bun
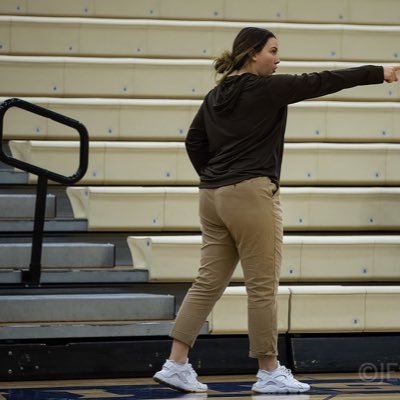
224	62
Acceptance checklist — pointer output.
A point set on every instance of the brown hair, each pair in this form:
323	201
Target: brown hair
247	42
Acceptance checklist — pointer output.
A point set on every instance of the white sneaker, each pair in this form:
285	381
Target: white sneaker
280	380
180	377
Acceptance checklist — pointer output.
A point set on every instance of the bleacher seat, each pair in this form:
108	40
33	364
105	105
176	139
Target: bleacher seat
131	163
340	164
305	258
169	120
176	209
342	11
343	121
105	77
344	308
166	163
190	39
137	208
156	78
327	309
338	11
229	316
106	119
315	309
382	313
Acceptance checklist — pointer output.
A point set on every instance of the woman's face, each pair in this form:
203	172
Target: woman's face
266	61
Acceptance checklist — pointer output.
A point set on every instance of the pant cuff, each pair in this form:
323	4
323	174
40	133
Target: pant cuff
262	354
183	337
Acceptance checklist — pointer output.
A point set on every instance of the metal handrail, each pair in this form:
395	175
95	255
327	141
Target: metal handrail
32	277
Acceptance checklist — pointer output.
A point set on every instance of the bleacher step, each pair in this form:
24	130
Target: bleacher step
89	329
53	225
86	307
59	255
98	276
23	206
12	177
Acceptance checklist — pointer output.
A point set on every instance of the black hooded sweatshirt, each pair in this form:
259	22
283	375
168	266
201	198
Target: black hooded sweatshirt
238	132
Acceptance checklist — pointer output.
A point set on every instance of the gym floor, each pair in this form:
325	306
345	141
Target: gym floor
324	387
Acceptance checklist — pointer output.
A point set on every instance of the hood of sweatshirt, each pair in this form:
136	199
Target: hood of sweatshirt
227	93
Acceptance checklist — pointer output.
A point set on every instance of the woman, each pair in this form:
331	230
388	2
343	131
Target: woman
235	143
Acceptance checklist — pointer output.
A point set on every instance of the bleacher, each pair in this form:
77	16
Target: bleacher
122	246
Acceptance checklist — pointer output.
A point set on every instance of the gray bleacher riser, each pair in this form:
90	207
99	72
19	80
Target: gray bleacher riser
23	206
84	330
11	177
86	307
8	174
56	225
67	255
79	276
90	330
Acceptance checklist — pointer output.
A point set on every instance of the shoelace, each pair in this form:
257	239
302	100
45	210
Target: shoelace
192	370
286	371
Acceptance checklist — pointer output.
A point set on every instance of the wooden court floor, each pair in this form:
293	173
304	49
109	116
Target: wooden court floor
324	387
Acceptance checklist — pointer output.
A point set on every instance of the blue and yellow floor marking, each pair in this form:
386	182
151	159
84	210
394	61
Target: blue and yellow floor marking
324	387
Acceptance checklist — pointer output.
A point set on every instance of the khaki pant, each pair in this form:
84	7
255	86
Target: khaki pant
242	221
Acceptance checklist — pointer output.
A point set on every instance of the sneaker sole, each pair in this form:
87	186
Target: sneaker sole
158	380
280	391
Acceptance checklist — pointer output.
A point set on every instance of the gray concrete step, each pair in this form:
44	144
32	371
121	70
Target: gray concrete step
78	235
23	206
52	225
59	255
81	330
84	330
92	276
63	206
12	177
86	307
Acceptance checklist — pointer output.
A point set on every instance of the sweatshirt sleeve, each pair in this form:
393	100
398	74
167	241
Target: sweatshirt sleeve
287	89
196	142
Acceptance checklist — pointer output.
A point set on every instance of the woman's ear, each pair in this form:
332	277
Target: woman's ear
253	55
